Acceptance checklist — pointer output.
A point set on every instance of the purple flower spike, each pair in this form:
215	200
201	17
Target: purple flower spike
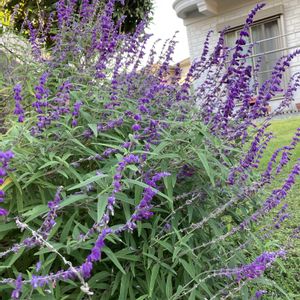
86	269
3	212
38	266
259	294
136	127
75	114
5	158
18	288
257	267
19	111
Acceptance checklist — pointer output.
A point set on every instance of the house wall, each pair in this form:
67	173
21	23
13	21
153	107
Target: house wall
197	27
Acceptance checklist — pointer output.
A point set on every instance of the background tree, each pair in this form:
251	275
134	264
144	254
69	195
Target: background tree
4	15
39	10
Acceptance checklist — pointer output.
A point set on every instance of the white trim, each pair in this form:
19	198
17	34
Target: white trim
263	14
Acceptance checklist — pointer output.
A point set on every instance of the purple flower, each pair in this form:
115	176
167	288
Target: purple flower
259	294
75	114
258	266
3	212
97	249
142	211
137	117
5	158
41	92
33	39
38	281
136	127
38	266
86	269
18	288
2	194
19	111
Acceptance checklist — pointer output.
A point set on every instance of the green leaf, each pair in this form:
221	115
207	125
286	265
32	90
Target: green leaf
170	183
49	163
63	173
16	183
72	199
98	277
7	227
204	286
142	297
124	286
15	257
188	267
127	254
94	129
116	283
95	178
164	265
133	168
245	293
67	228
153	279
205	164
88	150
33	178
113	258
160	147
180	289
144	185
169	286
101	206
166	245
193	295
35	212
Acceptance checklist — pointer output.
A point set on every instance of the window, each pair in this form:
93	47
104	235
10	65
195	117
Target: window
266	35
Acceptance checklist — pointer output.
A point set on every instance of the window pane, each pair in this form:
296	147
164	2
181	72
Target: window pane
265	35
257	36
230	39
272	30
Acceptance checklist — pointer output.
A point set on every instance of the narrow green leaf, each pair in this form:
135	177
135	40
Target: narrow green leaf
124	286
153	279
67	228
144	185
169	286
72	199
48	164
101	206
95	178
189	267
205	164
35	212
94	129
113	258
7	227
142	297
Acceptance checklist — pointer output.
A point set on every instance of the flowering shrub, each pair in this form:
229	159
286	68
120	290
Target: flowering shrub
120	185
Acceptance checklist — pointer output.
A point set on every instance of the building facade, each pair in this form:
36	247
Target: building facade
275	32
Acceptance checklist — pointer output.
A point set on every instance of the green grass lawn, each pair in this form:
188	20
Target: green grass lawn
283	131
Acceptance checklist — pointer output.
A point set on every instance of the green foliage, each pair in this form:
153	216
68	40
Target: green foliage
38	12
152	263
